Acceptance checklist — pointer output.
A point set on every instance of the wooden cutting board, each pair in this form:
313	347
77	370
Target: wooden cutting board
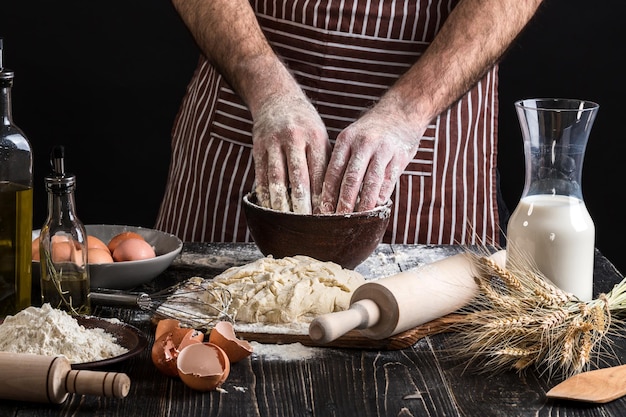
354	339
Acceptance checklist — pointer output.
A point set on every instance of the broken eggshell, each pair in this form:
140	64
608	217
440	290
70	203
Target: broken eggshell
166	325
169	344
223	335
203	366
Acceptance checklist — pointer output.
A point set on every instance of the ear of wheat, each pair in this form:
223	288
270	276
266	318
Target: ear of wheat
521	320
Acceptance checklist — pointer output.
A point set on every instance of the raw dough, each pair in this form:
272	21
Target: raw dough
287	290
290	290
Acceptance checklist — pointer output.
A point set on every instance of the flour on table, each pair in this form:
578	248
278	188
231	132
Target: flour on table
51	332
285	352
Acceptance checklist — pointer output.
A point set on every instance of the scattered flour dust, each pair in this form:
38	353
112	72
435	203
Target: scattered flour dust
285	352
51	332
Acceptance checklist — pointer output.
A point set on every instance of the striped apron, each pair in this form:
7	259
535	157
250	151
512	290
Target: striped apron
344	54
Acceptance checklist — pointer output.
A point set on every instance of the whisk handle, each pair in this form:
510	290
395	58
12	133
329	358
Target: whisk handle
120	299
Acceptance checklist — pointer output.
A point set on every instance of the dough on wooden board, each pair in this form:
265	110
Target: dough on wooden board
288	290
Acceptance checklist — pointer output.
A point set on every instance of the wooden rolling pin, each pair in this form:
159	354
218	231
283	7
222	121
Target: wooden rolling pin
391	305
50	379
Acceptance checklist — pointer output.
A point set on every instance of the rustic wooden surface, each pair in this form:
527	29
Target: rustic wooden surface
421	380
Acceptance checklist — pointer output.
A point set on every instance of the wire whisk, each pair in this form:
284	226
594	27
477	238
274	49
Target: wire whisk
197	303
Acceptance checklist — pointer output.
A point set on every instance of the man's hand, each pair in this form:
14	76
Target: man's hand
367	160
371	154
291	151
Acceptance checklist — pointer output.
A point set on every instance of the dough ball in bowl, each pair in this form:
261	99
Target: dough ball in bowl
346	239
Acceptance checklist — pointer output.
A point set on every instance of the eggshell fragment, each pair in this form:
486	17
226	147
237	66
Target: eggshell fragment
223	335
120	237
203	366
166	348
165	326
133	250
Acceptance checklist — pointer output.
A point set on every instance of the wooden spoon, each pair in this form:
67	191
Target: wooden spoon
597	386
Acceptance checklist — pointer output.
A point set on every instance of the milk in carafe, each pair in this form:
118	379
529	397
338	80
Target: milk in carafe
551	228
559	234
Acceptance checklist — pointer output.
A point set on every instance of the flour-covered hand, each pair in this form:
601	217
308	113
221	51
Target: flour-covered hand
367	161
291	151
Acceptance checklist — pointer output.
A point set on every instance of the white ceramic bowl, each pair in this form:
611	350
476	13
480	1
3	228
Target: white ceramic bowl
129	274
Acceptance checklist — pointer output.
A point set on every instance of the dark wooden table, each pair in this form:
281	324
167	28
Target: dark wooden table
421	380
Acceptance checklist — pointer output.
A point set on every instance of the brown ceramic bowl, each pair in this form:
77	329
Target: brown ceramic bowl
346	239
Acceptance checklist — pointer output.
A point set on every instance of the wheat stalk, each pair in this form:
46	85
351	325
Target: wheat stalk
519	320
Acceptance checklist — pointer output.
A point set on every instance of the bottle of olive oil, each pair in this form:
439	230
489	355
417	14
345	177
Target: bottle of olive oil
63	244
16	205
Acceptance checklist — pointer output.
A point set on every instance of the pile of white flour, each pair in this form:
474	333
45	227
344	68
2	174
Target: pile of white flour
51	332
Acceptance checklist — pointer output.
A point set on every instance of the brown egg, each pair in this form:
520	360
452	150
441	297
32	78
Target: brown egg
35	249
60	238
223	335
94	242
203	366
99	256
62	251
67	251
133	250
115	240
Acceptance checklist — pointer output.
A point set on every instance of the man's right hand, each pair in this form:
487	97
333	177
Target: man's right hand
291	151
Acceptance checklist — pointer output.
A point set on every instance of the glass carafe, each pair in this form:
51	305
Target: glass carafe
551	225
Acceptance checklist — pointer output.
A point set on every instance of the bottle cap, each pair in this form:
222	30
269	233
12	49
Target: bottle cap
59	180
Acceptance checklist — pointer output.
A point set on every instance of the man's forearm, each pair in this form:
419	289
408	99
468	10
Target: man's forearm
228	34
472	40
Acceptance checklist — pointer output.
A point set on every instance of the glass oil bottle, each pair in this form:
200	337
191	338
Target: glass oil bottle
63	244
16	205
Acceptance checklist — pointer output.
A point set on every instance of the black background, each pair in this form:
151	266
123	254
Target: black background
105	78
